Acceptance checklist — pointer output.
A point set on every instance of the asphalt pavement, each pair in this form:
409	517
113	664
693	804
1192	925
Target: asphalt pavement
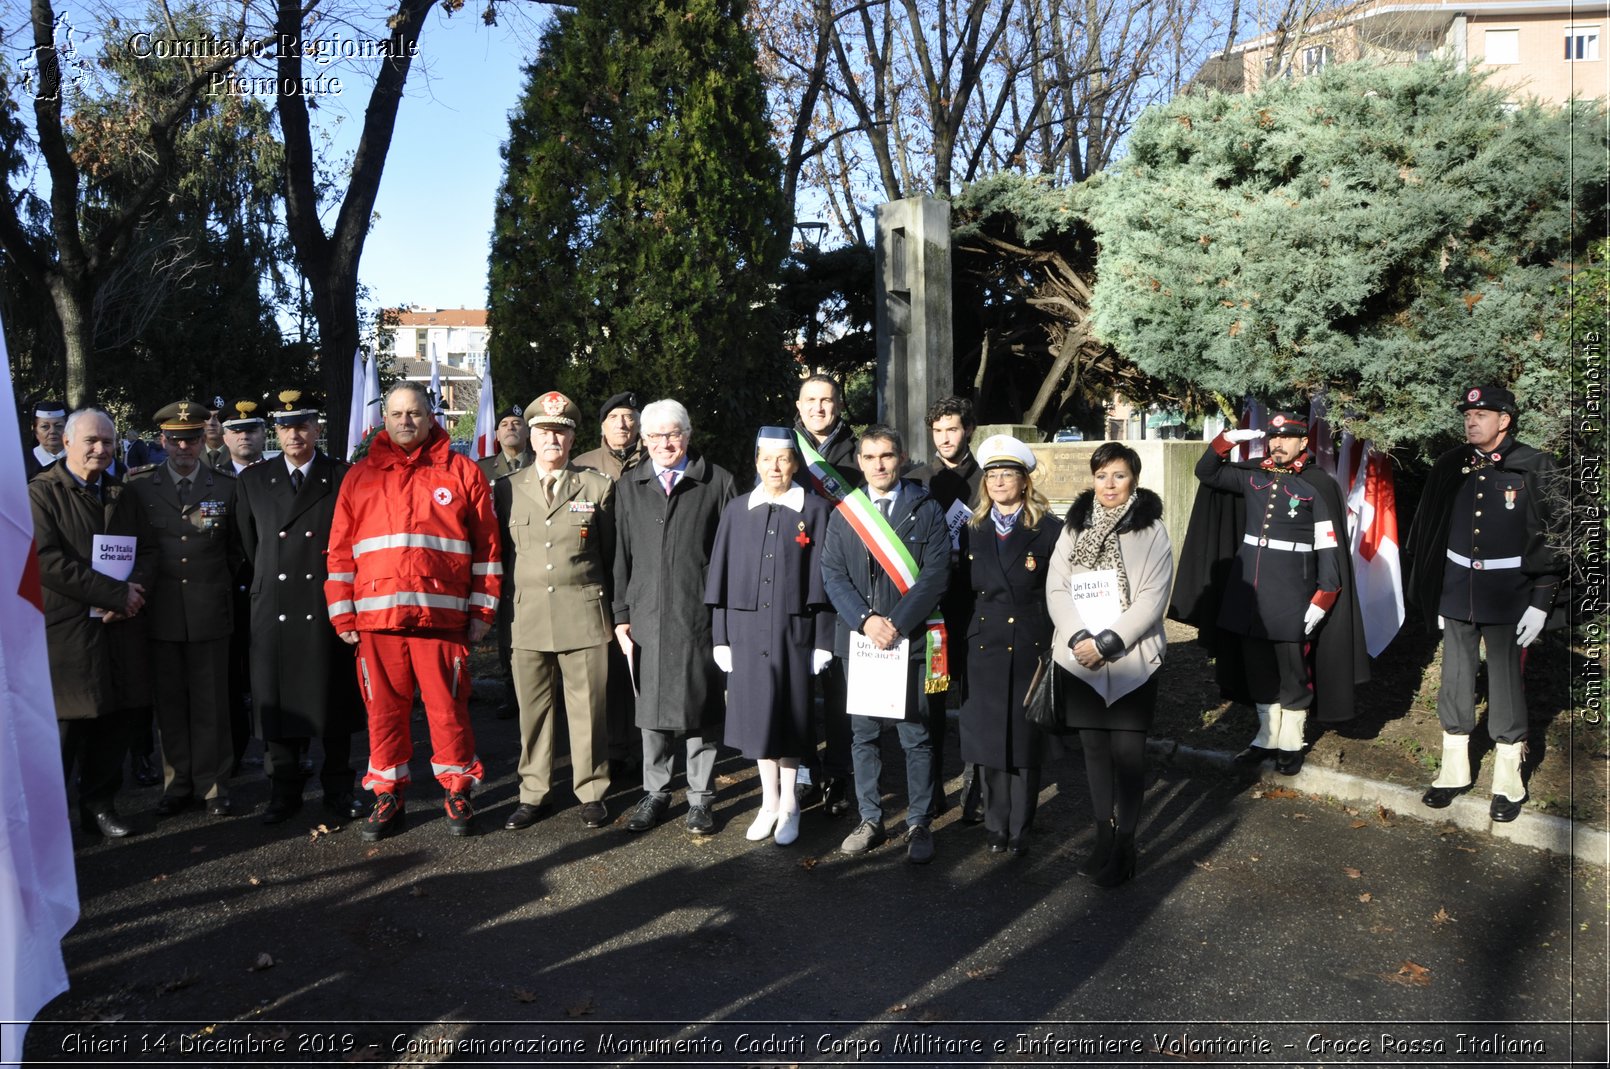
1266	925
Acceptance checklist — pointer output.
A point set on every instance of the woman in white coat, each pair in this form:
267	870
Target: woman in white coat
1107	592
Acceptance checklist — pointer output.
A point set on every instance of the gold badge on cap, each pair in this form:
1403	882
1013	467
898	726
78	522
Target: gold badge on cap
245	408
289	398
184	412
553	403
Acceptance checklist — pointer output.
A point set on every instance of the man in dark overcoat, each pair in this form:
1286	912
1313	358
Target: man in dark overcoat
952	478
75	503
303	682
189	507
1482	567
513	454
819	423
1288	596
667	513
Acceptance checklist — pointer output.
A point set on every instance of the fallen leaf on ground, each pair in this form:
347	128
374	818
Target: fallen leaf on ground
159	877
264	961
1299	816
898	1007
1257	792
1466	849
255	881
1205	866
1366	897
1359	824
322	829
1281	792
986	972
580	1009
522	995
1409	974
373	851
1385	815
1349	810
1381	929
1441	916
1254	857
807	863
1352	874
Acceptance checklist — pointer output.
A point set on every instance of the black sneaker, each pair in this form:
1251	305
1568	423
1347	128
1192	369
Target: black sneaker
386	818
460	814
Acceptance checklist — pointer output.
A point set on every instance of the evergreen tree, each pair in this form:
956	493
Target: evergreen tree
640	221
1391	234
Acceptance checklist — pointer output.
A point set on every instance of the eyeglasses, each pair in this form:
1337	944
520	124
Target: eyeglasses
671	436
1002	474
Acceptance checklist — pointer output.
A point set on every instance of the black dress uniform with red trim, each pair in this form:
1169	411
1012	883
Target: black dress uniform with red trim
1289	555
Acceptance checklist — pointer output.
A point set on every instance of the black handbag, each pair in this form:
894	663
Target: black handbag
1041	705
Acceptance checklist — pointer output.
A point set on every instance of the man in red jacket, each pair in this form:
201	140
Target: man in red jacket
414	582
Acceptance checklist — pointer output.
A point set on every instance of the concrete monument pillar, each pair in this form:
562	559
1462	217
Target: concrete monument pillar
915	360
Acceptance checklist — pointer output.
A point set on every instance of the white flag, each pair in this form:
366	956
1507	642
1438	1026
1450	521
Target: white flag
436	387
486	417
38	888
355	409
374	416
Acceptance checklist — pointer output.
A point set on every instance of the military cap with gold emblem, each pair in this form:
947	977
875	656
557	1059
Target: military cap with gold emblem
183	419
553	409
293	406
240	415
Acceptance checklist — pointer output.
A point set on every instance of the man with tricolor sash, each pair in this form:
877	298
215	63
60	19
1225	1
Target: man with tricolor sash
885	566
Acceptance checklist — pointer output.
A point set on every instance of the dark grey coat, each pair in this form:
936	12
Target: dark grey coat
662	561
83	664
304	682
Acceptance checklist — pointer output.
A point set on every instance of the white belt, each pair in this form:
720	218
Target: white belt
1276	543
1491	564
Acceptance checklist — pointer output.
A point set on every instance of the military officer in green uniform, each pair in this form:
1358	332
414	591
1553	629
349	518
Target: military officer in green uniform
188	509
557	560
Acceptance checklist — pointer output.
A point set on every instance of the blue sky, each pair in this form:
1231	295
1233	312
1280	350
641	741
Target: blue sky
430	243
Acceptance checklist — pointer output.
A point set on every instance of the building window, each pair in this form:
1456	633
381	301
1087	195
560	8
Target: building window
421	347
1502	46
1581	42
1316	58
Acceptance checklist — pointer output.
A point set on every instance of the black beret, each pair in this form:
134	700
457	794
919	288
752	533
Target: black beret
620	400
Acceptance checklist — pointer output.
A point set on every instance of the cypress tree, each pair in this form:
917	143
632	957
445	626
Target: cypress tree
641	221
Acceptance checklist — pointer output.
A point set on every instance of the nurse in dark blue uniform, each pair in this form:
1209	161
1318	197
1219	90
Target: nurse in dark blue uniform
772	625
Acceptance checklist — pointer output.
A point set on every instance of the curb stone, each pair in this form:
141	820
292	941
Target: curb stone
1537	830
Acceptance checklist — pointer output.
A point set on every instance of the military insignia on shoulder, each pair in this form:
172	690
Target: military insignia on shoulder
141	470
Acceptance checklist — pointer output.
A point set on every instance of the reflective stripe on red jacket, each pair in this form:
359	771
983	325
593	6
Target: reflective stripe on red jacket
414	543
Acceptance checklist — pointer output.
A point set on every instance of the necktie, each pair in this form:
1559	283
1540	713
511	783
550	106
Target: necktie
184	491
547	487
296	479
885	504
669	479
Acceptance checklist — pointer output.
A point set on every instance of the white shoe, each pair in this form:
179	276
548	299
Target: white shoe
764	821
787	828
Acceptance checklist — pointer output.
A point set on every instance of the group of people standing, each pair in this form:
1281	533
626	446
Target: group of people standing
641	576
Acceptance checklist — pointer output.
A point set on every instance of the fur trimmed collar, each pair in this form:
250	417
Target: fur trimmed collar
1147	510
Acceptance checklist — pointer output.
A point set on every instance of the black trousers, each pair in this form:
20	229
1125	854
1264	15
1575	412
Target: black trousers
1276	672
97	746
1011	796
282	760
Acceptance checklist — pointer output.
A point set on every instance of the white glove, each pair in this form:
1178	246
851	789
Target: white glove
1311	618
1242	435
820	659
1531	625
1441	624
723	656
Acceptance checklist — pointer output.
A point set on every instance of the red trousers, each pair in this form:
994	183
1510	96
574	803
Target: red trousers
389	667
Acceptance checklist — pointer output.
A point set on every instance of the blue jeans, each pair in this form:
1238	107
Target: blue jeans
865	732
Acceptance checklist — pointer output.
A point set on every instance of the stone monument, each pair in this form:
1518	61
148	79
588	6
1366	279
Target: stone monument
915	359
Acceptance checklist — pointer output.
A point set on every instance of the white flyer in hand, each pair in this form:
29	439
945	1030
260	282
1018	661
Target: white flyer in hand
877	679
1095	595
111	555
955	520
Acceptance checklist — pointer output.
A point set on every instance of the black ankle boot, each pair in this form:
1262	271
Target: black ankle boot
1120	867
1096	860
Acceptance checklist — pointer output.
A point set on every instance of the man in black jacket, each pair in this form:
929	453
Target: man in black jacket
1290	585
897	520
1481	565
952	478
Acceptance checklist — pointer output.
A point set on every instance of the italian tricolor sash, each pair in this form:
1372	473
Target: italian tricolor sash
886	548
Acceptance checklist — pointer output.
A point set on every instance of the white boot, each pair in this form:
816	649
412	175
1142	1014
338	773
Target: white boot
1508	790
1290	740
1455	761
1268	731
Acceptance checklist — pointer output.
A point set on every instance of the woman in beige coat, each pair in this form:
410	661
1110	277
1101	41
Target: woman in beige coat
1107	592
